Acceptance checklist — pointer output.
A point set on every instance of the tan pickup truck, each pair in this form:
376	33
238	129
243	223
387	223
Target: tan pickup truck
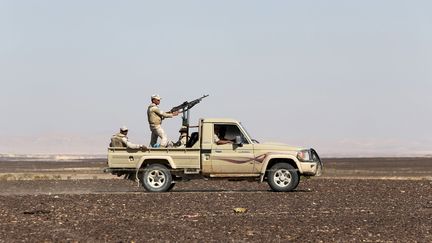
241	158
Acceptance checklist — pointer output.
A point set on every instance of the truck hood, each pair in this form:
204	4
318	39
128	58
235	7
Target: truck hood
277	147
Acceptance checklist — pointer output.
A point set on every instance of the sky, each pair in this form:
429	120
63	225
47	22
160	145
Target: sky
348	78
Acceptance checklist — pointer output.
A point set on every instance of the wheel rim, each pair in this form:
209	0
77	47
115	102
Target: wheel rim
282	177
156	178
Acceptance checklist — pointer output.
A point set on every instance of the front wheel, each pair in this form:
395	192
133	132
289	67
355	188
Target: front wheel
156	178
283	177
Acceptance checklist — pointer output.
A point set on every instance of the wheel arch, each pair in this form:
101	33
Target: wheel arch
149	160
289	159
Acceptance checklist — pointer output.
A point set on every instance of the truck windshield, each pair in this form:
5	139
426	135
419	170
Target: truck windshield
247	133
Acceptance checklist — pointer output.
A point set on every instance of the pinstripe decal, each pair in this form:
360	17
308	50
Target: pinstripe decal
241	160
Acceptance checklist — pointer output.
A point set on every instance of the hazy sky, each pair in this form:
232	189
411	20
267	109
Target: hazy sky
345	77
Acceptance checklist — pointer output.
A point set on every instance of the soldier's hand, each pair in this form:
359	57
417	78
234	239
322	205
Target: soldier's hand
175	113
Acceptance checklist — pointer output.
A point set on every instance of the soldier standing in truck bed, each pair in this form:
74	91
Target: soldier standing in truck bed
155	117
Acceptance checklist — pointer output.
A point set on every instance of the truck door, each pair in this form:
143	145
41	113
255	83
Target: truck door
228	158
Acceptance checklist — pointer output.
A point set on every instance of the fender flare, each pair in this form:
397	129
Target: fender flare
155	157
278	156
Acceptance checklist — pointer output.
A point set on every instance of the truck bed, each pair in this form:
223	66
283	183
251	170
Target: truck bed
133	158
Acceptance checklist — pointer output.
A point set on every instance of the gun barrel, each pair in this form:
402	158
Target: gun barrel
187	105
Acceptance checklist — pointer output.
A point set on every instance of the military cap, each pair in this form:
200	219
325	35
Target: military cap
155	96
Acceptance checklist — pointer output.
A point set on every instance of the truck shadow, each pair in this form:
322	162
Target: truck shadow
234	190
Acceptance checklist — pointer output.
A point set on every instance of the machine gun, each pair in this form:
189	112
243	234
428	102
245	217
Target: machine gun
187	105
185	109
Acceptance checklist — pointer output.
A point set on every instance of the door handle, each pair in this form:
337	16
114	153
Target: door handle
218	151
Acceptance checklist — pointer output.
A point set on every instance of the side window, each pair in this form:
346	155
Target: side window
229	132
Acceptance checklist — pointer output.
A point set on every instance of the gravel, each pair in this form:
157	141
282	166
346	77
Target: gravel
320	210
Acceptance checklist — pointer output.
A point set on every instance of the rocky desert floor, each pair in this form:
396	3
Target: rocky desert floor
356	200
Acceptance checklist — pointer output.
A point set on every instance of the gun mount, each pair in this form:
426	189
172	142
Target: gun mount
185	109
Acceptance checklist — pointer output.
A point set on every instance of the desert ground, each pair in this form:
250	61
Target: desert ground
356	200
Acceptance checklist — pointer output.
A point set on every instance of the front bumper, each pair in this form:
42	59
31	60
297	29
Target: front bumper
314	167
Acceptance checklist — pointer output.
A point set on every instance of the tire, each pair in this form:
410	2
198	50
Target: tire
157	178
283	177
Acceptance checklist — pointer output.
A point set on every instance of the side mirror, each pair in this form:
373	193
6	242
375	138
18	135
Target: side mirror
238	141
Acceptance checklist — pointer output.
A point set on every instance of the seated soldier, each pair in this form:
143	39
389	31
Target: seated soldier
183	137
121	140
219	136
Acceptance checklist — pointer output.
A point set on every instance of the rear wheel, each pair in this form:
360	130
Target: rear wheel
283	177
156	178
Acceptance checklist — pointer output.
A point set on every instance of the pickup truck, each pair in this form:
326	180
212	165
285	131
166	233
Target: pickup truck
157	169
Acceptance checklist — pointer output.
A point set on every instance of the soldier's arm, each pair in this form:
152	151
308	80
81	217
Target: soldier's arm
219	141
130	145
161	113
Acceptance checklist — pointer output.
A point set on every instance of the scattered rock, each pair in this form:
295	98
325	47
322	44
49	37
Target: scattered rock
240	210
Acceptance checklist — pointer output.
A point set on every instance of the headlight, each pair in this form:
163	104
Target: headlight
304	155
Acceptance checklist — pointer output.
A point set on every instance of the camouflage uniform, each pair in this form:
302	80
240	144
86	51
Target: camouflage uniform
121	140
155	117
182	139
